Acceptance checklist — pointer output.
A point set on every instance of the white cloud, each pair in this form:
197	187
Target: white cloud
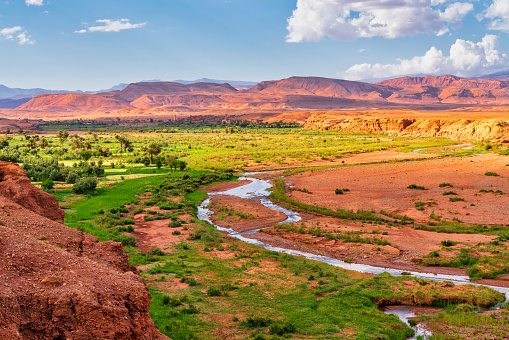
351	19
466	58
456	11
16	33
34	2
109	25
498	12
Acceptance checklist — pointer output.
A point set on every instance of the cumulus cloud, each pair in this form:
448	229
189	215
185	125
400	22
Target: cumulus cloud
34	2
108	25
498	13
351	19
466	58
16	33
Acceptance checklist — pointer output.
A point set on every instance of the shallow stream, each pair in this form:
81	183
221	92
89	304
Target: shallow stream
259	189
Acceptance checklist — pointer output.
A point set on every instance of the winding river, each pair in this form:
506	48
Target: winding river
259	189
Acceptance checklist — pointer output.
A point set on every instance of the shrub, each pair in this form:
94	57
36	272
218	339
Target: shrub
488	173
415	186
449	193
126	240
72	177
213	291
171	301
282	328
419	205
189	280
47	184
445	184
339	192
448	243
434	254
256	322
456	199
157	252
84	185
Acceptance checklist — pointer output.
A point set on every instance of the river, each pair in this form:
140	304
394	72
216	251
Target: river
259	189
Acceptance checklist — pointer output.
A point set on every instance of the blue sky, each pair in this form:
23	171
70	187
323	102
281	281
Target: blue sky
95	44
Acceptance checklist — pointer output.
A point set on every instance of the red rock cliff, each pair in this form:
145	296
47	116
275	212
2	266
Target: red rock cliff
60	283
16	186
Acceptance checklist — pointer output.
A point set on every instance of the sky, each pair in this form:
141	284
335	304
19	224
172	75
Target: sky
96	44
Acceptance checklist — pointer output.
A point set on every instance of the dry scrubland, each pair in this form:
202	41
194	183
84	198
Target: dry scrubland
205	285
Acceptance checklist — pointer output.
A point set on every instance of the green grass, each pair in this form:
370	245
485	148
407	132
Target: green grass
121	193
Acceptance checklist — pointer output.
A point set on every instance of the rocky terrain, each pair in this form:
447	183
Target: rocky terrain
454	128
61	283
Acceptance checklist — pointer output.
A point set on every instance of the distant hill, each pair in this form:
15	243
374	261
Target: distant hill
497	75
294	93
207	80
447	80
13	103
17	93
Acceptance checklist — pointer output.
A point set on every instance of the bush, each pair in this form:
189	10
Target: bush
47	184
189	280
126	240
445	184
72	177
157	252
213	291
448	243
456	199
414	186
488	173
256	322
282	328
84	185
338	192
171	301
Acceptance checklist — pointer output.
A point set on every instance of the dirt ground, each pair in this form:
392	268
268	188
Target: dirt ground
384	187
157	234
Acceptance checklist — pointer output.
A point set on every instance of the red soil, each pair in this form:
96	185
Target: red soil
384	187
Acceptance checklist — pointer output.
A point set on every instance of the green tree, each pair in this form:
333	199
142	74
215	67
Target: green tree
43	142
62	135
153	149
125	143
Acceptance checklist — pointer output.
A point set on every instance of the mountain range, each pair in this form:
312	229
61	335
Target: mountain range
291	94
12	96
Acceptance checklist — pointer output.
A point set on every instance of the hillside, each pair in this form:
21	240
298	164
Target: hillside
73	102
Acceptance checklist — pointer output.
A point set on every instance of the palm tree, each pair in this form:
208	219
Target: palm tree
44	142
153	149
